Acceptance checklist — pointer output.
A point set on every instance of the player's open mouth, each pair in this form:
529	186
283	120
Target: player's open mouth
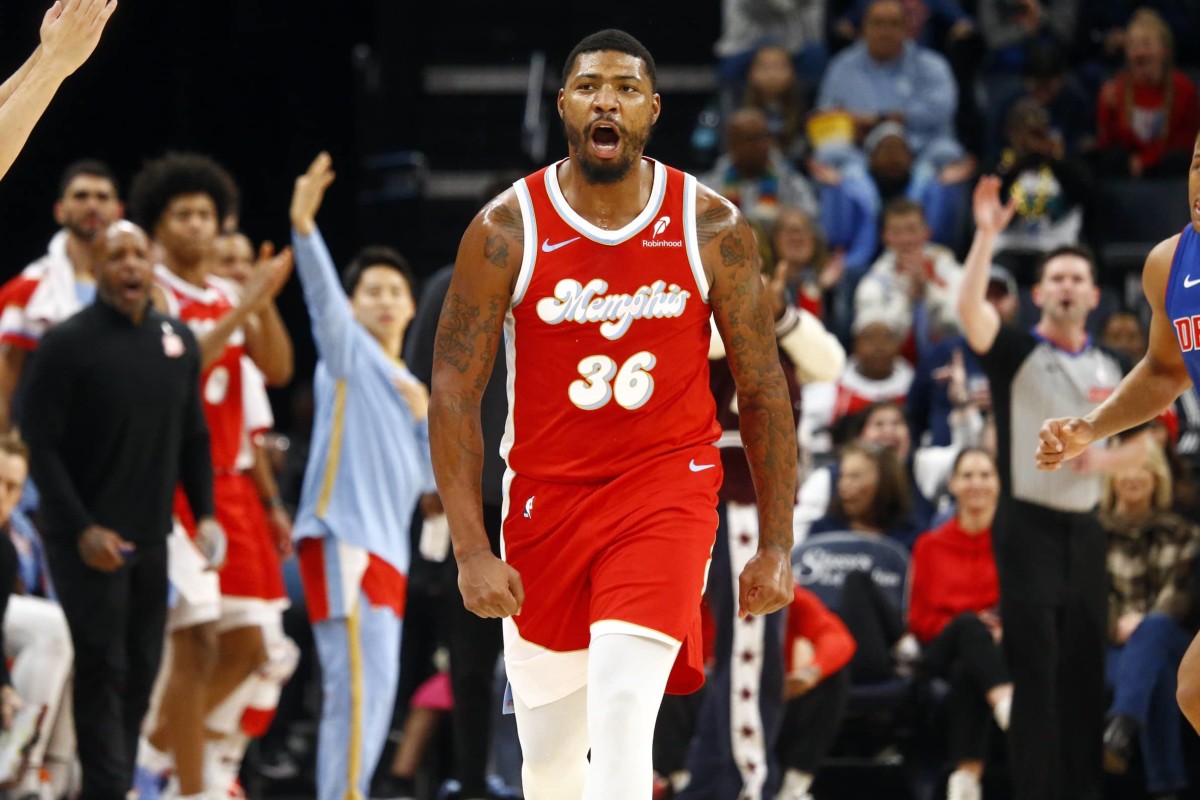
606	139
132	290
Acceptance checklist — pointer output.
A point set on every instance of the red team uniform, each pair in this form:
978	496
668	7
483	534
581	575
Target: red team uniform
252	568
610	509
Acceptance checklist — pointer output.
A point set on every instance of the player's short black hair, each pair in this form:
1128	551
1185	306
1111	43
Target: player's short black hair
87	166
376	255
1081	250
165	178
611	39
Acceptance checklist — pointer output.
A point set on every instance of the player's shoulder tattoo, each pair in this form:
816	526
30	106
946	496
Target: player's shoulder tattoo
505	237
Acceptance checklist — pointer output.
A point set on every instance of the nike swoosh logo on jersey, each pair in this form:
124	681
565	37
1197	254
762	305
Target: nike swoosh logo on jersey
1188	282
694	467
550	248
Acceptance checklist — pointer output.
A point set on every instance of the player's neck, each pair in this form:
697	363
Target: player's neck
390	344
193	273
1071	337
79	253
607	205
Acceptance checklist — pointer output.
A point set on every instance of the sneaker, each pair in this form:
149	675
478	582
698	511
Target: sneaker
1120	738
278	764
149	784
963	786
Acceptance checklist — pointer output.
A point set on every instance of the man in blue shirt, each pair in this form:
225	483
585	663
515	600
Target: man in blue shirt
368	464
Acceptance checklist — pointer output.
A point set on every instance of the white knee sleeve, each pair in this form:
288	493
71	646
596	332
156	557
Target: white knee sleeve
554	747
627	675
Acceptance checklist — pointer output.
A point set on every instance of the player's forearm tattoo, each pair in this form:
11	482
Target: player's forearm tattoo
767	426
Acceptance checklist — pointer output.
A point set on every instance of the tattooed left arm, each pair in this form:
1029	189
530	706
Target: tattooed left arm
731	259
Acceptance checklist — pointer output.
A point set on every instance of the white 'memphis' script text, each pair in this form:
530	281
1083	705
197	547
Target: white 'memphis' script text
584	303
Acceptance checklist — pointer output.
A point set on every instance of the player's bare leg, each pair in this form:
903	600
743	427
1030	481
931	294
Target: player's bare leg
180	725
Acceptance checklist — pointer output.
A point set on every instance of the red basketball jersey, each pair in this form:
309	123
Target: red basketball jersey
221	383
607	339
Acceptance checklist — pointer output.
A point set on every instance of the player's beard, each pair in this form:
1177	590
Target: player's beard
607	170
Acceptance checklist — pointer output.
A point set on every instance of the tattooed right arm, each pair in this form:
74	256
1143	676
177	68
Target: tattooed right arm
469	333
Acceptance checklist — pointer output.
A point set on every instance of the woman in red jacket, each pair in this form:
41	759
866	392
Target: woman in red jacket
954	594
1147	114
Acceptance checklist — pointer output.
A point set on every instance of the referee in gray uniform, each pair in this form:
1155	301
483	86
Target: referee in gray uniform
1050	549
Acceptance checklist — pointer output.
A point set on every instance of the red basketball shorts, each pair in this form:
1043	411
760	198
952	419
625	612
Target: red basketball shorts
630	555
252	567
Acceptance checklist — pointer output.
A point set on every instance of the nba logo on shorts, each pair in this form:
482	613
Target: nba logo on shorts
529	508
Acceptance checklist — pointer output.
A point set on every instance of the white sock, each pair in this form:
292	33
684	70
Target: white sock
1002	711
963	785
795	783
679	780
627	675
151	758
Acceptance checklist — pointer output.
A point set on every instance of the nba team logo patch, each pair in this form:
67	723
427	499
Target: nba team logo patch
172	344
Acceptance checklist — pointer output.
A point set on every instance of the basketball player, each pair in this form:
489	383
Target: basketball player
601	272
1170	366
218	634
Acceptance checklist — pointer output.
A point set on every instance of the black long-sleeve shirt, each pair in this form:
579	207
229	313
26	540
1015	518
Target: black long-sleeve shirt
113	420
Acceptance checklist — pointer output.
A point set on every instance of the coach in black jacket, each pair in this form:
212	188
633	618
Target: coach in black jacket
113	421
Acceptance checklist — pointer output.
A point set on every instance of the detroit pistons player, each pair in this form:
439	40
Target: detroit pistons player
601	272
1172	363
217	633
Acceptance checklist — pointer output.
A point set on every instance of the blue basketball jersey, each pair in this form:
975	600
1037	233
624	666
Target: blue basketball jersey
1183	299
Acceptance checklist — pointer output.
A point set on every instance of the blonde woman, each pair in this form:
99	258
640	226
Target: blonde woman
1151	558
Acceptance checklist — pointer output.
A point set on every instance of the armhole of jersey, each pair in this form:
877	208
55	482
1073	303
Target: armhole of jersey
689	236
1169	290
530	229
172	301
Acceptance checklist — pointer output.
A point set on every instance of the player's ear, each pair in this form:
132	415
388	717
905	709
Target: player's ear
561	94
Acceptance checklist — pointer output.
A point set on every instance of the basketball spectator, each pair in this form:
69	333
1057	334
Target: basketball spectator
941	196
1151	558
59	283
773	86
953	611
881	425
873	495
885	76
876	371
36	641
1011	27
913	282
817	647
754	174
1148	113
1103	27
1048	79
797	25
802	250
1122	331
1052	193
929	403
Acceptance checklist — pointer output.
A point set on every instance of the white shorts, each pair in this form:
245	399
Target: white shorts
249	612
195	589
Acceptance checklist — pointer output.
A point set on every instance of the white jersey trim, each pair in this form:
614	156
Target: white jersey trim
529	227
597	234
690	239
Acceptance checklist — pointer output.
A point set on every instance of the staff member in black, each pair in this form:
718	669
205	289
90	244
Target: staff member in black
1050	549
113	422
